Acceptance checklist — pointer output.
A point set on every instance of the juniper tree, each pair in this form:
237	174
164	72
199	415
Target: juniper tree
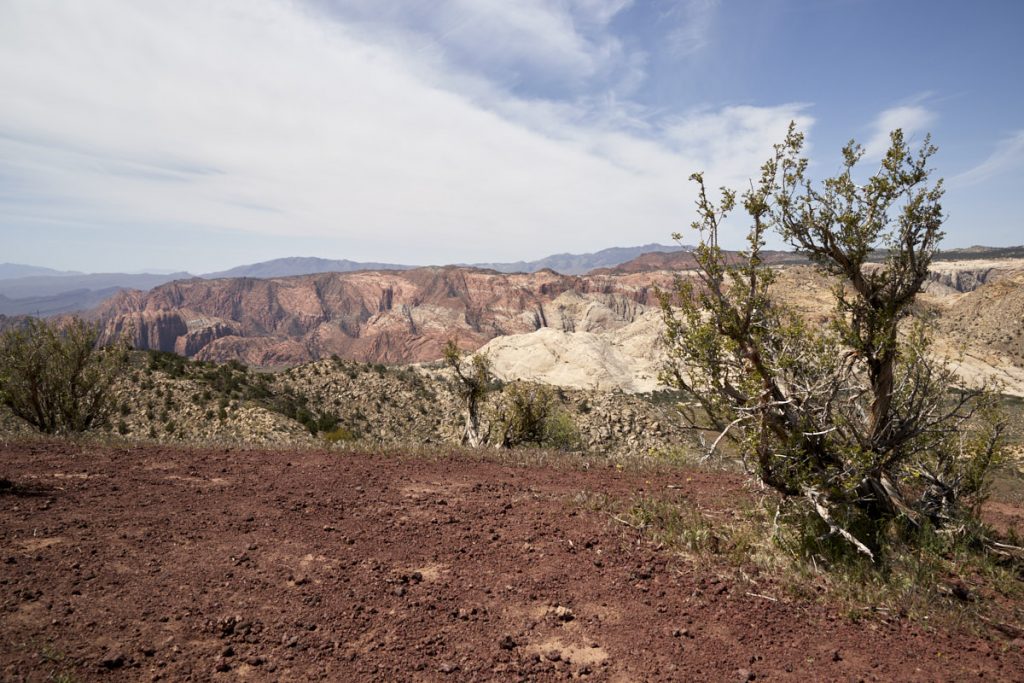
57	377
857	417
473	382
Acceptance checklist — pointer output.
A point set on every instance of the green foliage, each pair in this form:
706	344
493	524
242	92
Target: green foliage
57	378
296	407
855	417
230	378
561	432
533	415
341	434
681	526
473	381
170	364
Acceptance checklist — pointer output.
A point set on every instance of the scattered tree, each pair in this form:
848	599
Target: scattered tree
474	382
55	376
856	417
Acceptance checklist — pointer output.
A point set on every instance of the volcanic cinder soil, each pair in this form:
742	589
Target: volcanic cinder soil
160	564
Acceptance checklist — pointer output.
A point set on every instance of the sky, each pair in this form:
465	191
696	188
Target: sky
200	135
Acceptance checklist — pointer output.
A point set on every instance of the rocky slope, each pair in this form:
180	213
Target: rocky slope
593	332
389	317
978	306
167	399
627	358
961	276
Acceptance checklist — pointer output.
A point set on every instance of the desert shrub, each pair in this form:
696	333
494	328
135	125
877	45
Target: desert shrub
57	377
170	364
327	422
532	415
228	378
258	388
341	434
561	432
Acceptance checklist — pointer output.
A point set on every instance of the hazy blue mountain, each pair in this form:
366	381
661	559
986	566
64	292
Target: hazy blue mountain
577	264
65	302
52	294
300	265
568	264
52	285
13	270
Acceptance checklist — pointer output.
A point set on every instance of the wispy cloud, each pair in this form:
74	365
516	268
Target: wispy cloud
1008	156
913	119
273	120
565	42
693	20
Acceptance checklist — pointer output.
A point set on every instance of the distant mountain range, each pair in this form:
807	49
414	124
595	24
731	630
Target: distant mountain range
34	290
566	264
578	264
300	265
13	270
45	295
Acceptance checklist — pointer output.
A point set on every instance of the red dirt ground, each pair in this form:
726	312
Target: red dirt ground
166	564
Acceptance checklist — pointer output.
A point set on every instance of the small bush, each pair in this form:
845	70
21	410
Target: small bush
531	415
341	434
57	377
560	431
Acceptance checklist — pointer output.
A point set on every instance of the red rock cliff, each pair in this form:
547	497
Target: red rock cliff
387	316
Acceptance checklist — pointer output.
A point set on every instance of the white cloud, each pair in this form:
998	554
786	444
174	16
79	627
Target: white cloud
914	119
258	116
558	40
1008	156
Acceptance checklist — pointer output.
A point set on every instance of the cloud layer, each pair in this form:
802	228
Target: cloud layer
280	118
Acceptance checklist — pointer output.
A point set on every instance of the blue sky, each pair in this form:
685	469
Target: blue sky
140	134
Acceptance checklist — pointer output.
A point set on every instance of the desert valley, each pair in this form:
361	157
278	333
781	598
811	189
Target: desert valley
387	341
301	437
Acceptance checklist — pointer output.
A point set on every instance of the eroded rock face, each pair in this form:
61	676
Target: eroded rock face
388	317
961	280
967	276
